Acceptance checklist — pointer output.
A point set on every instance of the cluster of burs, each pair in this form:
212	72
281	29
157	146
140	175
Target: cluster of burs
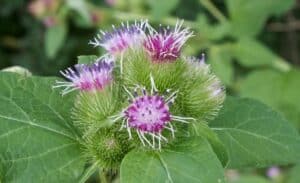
142	94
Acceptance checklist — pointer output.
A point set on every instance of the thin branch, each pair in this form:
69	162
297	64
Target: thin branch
214	10
284	27
102	175
89	172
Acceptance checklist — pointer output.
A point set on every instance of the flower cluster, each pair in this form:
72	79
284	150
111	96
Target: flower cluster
194	91
162	45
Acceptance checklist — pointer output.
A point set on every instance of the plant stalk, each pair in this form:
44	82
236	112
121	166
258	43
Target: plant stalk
88	173
213	10
102	176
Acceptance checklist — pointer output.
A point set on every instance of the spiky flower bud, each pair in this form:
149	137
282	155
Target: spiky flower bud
165	44
87	77
121	38
149	114
107	146
203	94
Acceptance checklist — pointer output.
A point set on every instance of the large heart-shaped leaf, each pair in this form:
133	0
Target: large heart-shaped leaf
279	90
294	176
37	140
255	135
203	130
250	179
192	160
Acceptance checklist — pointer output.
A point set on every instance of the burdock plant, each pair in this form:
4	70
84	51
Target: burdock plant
142	94
141	113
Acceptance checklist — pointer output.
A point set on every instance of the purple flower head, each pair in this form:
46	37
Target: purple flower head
121	38
149	115
87	77
166	44
273	172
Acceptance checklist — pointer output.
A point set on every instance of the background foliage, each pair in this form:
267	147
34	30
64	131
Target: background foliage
253	46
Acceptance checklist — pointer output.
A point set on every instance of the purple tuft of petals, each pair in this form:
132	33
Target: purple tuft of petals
166	44
87	77
121	38
148	114
273	172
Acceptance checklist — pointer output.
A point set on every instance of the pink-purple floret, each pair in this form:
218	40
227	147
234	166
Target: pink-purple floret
165	44
148	114
162	47
90	77
120	31
121	38
123	34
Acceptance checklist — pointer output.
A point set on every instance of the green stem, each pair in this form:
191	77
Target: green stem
213	10
102	176
88	173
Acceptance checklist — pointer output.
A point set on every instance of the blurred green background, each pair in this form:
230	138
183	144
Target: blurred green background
252	45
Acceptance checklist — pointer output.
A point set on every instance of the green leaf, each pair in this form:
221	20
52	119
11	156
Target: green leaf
142	167
251	53
81	8
190	161
18	69
255	135
248	17
220	59
87	59
38	142
279	90
54	39
294	176
251	179
160	9
212	32
201	129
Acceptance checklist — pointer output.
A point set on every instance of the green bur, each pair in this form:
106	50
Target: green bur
102	140
108	146
202	94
